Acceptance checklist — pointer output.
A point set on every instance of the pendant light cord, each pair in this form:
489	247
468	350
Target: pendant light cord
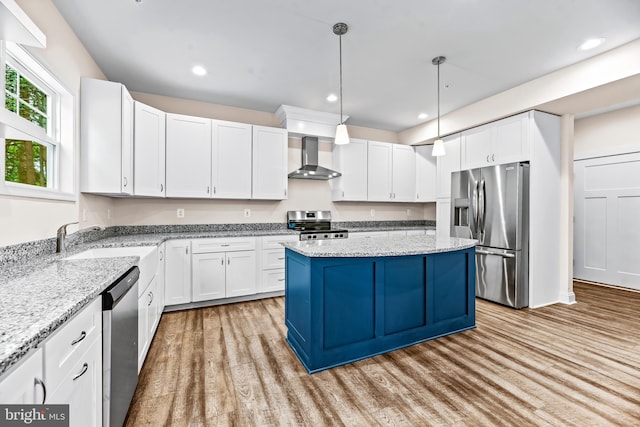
438	100
341	121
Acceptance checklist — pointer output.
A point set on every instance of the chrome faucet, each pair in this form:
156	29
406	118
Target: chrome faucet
61	236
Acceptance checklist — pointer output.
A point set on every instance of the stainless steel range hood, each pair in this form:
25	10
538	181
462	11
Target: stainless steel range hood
310	168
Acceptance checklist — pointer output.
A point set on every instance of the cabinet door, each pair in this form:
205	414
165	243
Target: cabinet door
81	388
272	280
177	285
144	301
351	161
269	177
476	147
446	164
231	160
379	161
19	385
106	137
241	273
160	274
149	151
188	171
127	141
511	139
403	173
426	173
443	218
208	276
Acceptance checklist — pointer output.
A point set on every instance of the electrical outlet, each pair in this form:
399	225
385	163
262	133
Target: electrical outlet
247	213
180	213
373	212
108	213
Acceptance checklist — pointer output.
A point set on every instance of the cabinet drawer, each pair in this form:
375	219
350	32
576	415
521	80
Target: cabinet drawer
272	280
273	242
199	246
273	258
63	350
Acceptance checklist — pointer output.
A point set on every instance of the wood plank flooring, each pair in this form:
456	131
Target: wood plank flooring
561	365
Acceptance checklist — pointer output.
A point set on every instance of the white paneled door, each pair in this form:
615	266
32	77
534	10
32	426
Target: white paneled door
607	220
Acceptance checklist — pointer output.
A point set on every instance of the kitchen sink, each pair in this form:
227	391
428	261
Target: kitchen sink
148	263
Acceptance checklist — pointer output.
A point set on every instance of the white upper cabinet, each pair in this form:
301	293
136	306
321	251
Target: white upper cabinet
351	161
446	164
504	141
380	164
269	169
231	160
403	182
149	151
188	171
106	131
426	174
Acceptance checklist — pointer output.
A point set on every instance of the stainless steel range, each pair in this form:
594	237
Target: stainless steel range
314	225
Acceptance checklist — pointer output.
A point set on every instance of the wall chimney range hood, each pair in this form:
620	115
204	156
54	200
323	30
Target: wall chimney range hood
310	168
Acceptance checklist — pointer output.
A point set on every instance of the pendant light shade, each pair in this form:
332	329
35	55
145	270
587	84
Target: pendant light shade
342	136
438	146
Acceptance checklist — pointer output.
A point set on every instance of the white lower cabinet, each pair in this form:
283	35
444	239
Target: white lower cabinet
23	384
272	262
73	366
81	388
443	218
149	312
177	269
223	268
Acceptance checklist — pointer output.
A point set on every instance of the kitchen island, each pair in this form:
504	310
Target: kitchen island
350	299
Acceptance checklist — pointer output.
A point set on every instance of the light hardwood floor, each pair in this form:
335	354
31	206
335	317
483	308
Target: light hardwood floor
561	365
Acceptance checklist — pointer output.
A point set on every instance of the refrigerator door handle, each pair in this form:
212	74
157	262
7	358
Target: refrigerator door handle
504	255
474	208
481	207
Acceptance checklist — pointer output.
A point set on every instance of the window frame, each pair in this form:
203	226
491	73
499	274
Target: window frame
59	137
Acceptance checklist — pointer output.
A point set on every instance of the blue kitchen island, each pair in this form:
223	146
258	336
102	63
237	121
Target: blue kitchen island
350	299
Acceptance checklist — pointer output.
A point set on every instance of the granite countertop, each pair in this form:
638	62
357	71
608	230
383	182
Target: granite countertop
384	246
40	293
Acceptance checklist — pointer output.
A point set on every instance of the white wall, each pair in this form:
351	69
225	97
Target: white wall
607	134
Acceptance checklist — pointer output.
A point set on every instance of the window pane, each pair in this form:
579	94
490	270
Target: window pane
11	104
10	79
32	95
25	162
33	116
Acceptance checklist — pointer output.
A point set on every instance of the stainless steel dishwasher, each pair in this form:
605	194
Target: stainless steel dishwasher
119	347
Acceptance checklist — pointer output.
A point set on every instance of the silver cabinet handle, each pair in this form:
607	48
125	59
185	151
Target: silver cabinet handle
221	261
161	188
493	157
280	280
214	189
186	250
82	336
285	192
125	180
161	255
228	261
487	158
85	367
280	258
207	189
225	244
483	252
38	381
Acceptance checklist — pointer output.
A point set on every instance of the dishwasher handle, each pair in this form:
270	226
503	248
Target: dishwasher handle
119	288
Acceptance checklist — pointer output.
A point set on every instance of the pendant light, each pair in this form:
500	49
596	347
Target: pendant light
342	136
438	146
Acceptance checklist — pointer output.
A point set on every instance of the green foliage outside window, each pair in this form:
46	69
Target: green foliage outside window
25	162
24	98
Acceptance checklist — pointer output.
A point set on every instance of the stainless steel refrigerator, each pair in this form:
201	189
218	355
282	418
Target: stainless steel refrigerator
491	205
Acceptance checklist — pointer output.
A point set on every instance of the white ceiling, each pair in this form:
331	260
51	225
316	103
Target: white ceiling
260	54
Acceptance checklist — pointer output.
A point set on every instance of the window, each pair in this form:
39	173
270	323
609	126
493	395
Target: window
36	128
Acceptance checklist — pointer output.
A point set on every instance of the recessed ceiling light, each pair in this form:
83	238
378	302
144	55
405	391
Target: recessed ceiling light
423	116
591	43
199	70
332	97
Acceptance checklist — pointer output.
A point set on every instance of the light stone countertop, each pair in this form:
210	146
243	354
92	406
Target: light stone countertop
37	296
378	247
